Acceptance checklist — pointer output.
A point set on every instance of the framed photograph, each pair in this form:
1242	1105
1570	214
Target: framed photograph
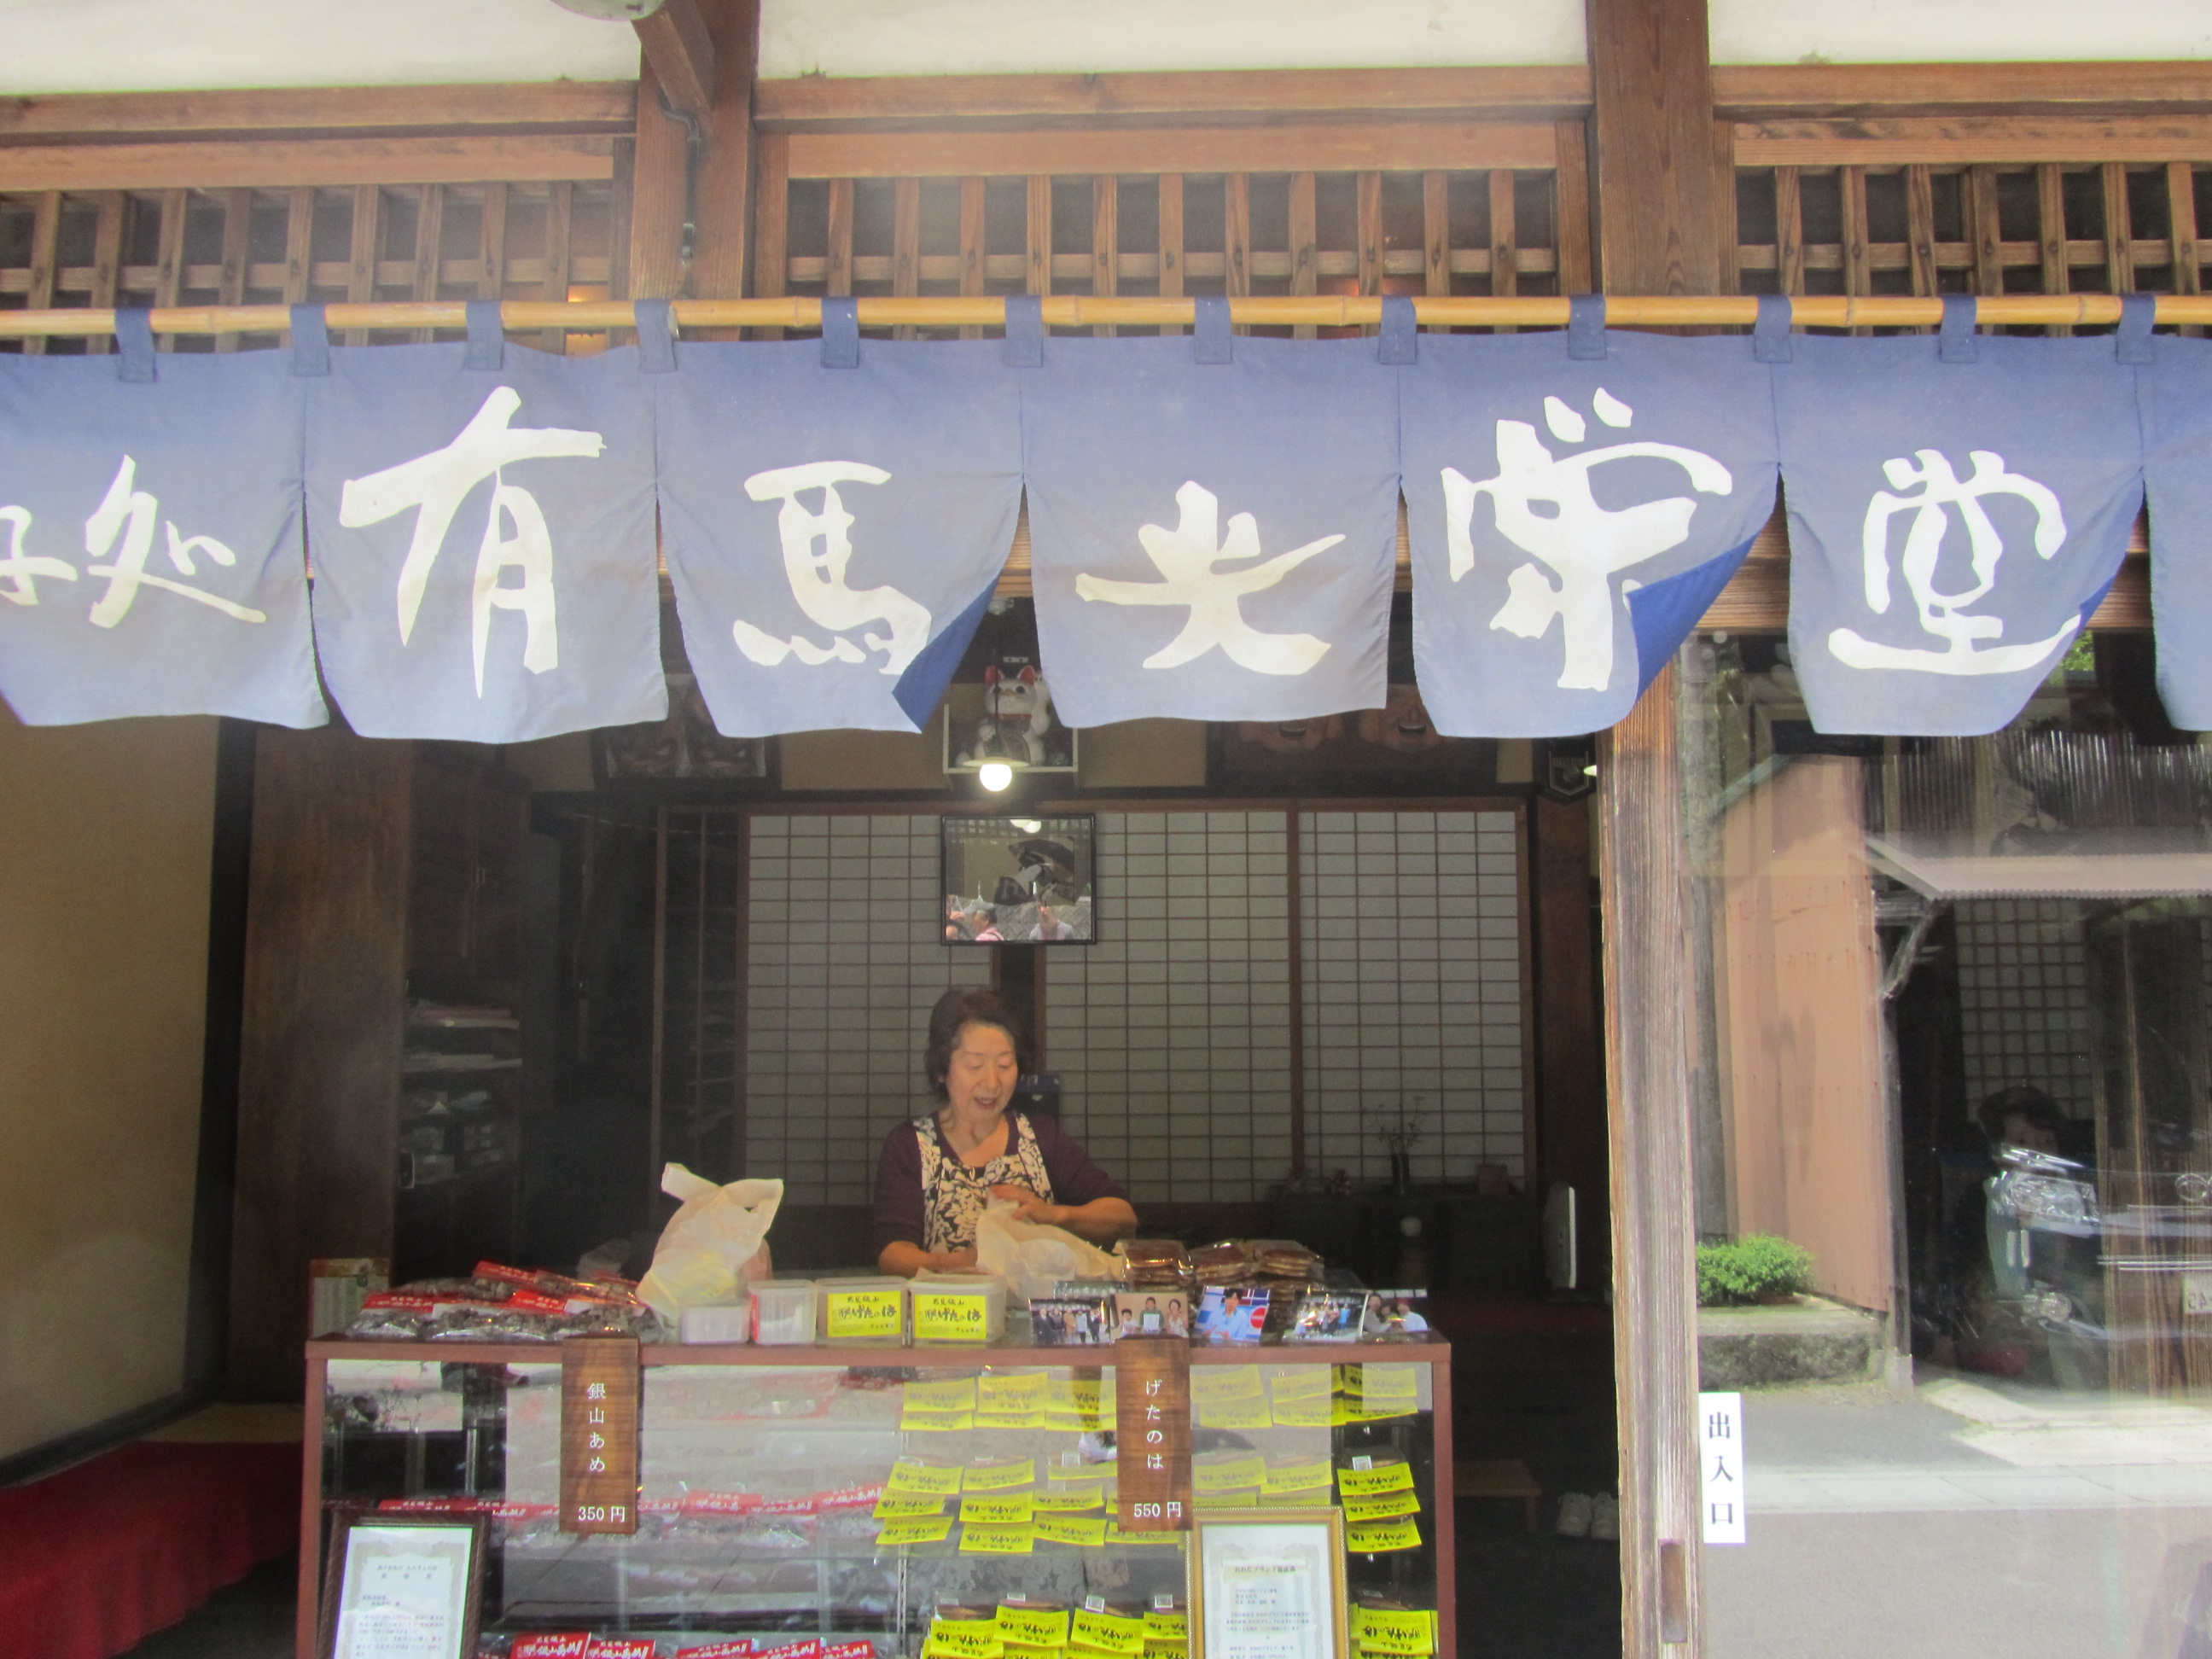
1268	1585
1018	880
403	1586
1151	1313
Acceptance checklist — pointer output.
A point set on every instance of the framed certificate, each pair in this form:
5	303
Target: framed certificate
403	1586
1268	1585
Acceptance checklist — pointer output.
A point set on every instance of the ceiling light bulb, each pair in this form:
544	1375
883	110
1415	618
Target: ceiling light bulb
994	775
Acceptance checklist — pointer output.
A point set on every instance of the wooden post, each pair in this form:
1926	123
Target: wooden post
1660	220
659	192
724	206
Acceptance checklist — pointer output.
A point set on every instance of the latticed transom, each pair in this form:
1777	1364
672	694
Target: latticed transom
2049	227
524	241
1471	232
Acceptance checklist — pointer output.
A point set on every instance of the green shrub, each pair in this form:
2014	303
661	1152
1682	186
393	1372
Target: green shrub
1760	1268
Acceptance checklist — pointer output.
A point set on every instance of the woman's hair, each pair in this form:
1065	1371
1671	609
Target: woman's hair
2024	1100
956	1011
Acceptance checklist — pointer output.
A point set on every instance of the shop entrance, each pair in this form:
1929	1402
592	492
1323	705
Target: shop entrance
1341	992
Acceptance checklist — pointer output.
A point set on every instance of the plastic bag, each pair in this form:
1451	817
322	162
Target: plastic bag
706	1250
1032	1257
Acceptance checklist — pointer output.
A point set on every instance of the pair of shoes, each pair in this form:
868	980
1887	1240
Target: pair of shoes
1575	1516
1605	1517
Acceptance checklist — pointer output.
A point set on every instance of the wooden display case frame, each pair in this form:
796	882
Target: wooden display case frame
1436	1355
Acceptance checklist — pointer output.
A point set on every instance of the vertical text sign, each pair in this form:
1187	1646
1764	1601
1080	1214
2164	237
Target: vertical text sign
599	1387
1151	1421
1720	1449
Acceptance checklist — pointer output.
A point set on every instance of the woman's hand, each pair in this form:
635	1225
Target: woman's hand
1028	1206
950	1262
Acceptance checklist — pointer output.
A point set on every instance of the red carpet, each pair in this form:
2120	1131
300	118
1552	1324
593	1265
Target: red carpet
98	1557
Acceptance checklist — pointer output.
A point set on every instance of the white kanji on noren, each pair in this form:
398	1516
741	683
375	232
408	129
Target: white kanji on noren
1582	544
1186	558
817	580
1944	614
435	484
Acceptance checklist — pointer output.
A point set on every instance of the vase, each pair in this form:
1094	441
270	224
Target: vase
1402	1175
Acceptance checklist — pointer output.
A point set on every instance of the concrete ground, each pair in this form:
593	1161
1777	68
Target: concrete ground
1966	1516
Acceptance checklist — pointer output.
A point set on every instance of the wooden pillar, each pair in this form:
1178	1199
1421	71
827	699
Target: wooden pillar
1570	1097
726	163
1660	222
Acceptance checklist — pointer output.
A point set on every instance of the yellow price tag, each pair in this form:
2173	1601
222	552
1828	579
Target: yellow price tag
1088	1534
1034	1626
1070	1500
997	1540
998	1477
1300	1382
1368	1483
1375	1537
1155	1648
950	1316
1310	1413
1116	1535
1379	1382
936	1422
912	1478
851	1315
1031	1650
915	1529
1213	1502
1218	1385
1109	1632
964	1639
1382	1630
891	1507
1235	1414
1013	1509
1309	1474
1382	1506
957	1394
1010	1390
1230	1473
1162	1624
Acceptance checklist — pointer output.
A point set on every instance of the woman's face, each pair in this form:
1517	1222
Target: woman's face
979	1078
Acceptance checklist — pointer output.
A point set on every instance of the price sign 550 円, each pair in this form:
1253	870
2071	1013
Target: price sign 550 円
1152	1424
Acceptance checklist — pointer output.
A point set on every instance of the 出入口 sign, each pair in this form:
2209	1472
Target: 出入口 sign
599	1389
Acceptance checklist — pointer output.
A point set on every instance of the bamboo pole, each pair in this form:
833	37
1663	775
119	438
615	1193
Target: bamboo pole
1082	311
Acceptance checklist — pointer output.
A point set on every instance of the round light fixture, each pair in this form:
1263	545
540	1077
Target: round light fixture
995	775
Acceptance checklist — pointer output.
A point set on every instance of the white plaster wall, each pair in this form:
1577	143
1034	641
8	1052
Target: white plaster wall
1029	37
1956	31
146	46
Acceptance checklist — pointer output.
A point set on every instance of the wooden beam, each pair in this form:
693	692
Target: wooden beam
1398	146
273	164
1660	228
603	107
676	42
1767	91
821	103
2032	136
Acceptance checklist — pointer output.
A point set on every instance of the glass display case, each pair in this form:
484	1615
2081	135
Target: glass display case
861	1494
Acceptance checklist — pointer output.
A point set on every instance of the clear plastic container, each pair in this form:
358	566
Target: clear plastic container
866	1308
723	1321
783	1311
965	1307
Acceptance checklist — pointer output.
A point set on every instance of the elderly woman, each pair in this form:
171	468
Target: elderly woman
937	1172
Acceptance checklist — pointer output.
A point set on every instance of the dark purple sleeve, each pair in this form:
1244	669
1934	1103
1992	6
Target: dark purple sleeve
898	1189
1075	1179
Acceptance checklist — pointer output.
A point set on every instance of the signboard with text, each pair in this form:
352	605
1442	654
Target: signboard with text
599	1390
1152	1408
